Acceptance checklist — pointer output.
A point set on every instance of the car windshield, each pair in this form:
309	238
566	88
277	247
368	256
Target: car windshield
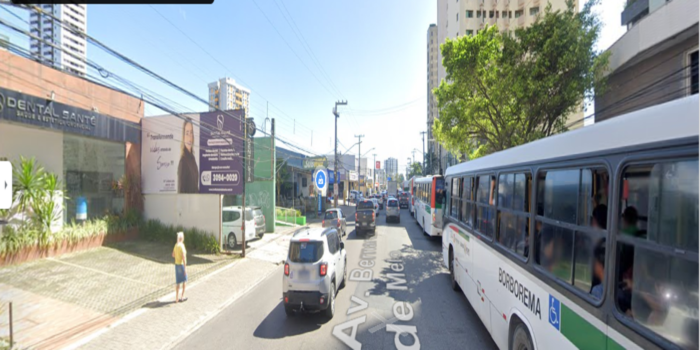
258	212
392	204
331	215
249	214
305	252
365	205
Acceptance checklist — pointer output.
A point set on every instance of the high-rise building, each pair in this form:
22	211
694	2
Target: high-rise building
468	17
225	94
391	165
67	36
433	46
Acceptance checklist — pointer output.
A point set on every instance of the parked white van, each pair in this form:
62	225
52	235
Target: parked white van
232	222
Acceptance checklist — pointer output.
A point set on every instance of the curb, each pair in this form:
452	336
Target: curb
204	320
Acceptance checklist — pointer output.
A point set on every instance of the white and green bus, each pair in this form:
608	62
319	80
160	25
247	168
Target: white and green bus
587	239
429	203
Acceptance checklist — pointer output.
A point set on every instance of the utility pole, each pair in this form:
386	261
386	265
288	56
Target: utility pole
336	178
359	160
374	173
408	167
422	134
245	140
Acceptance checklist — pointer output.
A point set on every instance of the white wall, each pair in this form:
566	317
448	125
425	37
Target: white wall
189	210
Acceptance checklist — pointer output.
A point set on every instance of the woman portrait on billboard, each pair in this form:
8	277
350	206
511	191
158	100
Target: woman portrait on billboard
187	171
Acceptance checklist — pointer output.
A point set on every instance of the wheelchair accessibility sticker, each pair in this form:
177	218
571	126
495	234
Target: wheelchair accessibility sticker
554	312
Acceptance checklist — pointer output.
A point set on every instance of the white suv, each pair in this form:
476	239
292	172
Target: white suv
314	271
232	222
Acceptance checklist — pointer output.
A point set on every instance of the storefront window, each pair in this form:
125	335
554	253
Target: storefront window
92	170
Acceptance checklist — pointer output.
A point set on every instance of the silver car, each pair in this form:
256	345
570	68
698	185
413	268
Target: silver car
335	218
393	211
314	271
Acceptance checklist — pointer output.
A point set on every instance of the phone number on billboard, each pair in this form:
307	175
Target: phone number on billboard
224	177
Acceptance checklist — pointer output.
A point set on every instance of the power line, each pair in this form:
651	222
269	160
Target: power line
216	60
305	44
290	48
127	60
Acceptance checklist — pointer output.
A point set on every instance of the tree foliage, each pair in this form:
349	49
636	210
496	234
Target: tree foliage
415	169
507	89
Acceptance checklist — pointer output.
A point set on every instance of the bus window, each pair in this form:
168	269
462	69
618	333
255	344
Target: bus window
485	213
566	198
658	282
467	202
513	229
455	198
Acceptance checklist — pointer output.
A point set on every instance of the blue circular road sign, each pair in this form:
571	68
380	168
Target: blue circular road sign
321	180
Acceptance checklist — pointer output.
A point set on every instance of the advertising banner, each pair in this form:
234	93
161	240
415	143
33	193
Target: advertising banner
221	152
179	156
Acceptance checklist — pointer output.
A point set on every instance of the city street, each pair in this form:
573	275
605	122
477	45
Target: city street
439	317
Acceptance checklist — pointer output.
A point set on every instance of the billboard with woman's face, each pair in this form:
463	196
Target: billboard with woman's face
193	153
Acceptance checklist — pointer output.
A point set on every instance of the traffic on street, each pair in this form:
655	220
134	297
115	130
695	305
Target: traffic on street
397	295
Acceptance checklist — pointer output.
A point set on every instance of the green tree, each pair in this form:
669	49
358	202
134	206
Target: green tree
507	89
415	169
401	179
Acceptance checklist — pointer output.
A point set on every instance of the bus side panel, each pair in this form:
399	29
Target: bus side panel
509	288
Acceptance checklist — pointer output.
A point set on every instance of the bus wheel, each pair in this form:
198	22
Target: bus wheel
453	281
521	338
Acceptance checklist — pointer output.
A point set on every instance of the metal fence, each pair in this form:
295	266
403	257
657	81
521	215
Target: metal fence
287	216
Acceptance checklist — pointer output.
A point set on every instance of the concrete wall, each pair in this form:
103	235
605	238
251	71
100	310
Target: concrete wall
202	211
629	89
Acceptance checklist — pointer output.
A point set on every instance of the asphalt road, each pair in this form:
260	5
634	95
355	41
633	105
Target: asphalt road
443	319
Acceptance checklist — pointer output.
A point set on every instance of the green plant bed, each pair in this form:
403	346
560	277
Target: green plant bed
300	220
279	224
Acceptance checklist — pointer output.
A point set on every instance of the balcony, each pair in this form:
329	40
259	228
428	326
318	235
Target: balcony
634	11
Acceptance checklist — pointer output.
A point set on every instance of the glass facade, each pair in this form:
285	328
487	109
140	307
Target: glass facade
92	170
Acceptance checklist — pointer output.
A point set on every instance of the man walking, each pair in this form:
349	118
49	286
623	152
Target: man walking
180	255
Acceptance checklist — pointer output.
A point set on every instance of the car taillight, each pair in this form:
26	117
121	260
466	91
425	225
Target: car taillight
286	269
355	216
338	223
372	215
323	223
323	269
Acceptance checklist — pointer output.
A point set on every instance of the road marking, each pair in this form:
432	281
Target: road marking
105	273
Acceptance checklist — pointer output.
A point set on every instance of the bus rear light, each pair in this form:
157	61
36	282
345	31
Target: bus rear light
323	269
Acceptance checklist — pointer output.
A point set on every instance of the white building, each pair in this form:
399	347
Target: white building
391	166
66	36
467	17
225	94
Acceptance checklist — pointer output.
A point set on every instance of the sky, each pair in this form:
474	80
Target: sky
297	57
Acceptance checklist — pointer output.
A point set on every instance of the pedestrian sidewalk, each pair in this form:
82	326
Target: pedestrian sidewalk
162	324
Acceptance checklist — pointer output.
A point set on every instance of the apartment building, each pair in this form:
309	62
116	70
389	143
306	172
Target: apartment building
66	36
391	165
226	94
655	61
